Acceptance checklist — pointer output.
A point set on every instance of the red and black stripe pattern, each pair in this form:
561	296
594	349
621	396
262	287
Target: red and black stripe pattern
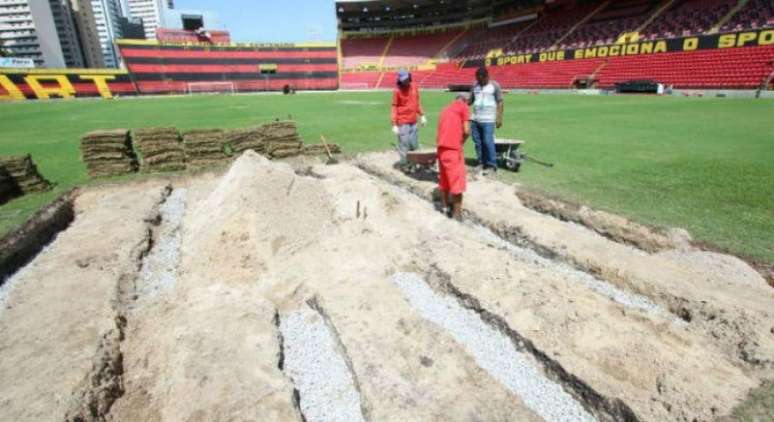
119	83
167	68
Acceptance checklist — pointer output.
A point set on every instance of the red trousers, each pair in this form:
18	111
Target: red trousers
452	174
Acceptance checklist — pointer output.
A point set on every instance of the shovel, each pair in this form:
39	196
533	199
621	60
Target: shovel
331	158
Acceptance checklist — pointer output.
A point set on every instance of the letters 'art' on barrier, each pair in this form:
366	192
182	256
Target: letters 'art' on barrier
21	84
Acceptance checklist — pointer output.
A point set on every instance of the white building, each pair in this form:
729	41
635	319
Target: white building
27	30
107	18
150	11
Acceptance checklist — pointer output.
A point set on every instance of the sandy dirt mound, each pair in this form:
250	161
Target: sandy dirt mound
738	319
339	293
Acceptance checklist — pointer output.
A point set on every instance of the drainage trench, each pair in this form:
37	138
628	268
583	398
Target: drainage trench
21	246
524	250
601	287
158	272
699	314
493	351
104	385
554	393
312	356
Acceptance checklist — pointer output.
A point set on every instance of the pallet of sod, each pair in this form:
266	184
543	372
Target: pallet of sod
8	187
108	153
20	174
160	149
204	148
241	140
282	139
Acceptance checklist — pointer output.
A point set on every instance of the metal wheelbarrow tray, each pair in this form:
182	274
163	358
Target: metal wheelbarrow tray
508	153
422	160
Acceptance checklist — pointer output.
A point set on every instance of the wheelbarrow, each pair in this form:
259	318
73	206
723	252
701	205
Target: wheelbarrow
421	160
508	154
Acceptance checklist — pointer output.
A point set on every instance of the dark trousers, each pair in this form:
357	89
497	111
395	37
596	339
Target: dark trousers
483	138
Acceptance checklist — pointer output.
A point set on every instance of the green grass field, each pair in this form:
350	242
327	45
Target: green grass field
703	164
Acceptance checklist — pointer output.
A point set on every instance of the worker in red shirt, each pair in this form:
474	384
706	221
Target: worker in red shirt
453	130
406	111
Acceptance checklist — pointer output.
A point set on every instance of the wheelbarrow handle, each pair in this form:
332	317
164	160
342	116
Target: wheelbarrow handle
536	161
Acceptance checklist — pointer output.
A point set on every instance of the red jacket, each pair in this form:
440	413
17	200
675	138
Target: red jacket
406	106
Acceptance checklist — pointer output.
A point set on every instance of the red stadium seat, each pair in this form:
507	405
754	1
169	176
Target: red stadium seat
570	25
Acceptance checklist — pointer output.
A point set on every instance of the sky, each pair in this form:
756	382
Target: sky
270	21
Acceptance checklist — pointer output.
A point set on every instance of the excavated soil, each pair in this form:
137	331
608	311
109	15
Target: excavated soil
340	293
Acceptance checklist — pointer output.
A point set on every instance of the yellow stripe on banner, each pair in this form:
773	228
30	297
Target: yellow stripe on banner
38	71
449	44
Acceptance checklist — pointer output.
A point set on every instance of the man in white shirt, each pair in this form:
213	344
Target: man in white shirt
486	97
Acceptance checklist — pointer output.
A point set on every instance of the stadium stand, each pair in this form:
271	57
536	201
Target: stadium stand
528	44
549	28
416	50
360	52
360	80
755	14
688	17
395	51
484	39
536	44
609	23
172	68
736	68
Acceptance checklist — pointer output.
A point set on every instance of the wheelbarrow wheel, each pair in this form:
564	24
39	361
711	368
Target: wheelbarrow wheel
513	160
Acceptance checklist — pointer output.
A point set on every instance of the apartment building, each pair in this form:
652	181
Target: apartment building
150	11
28	30
107	19
67	30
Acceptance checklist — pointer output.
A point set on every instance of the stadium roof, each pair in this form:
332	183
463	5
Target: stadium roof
356	6
394	14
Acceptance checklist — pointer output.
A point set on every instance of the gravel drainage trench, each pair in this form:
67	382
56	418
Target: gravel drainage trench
493	351
525	251
602	287
159	267
315	360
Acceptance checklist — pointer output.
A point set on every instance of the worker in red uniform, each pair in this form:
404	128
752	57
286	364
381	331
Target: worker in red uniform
453	130
406	112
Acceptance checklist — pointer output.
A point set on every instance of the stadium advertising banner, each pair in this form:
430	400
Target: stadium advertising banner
703	42
42	84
